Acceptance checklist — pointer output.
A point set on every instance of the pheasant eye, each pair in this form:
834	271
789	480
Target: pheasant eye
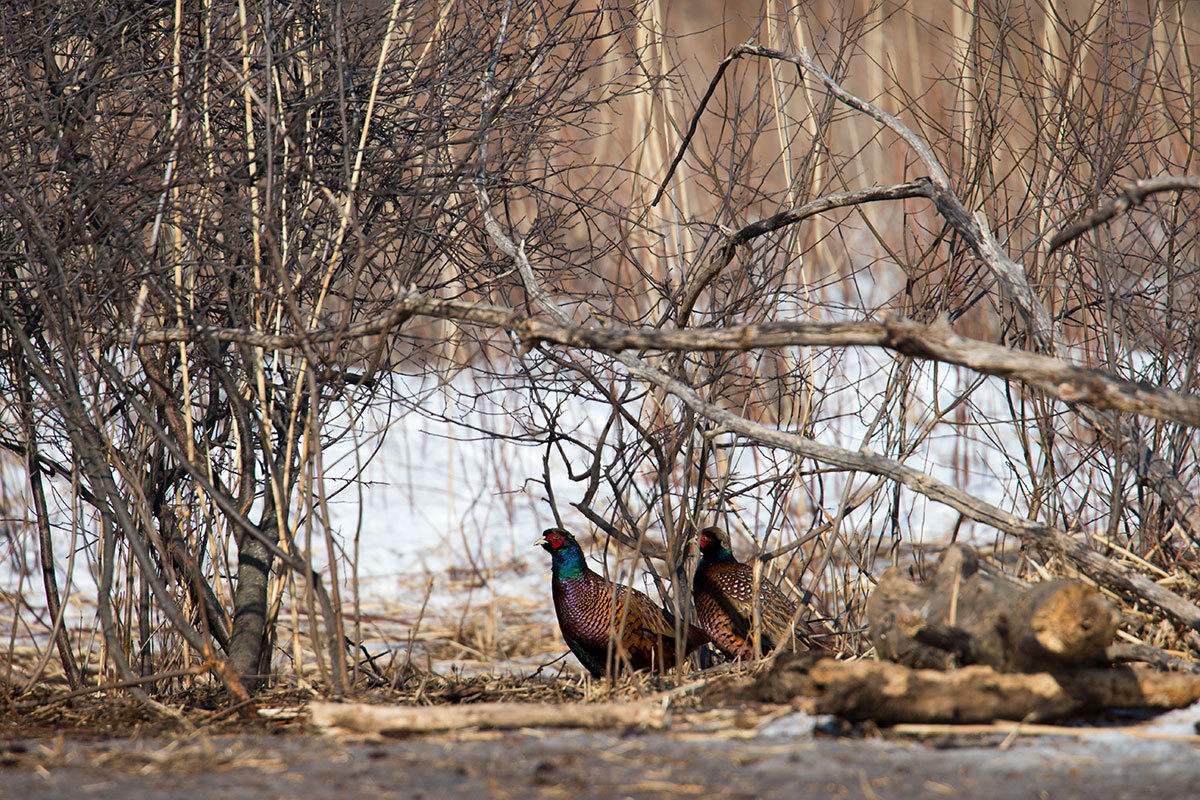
556	540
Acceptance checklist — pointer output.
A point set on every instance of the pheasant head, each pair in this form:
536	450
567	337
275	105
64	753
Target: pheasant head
714	546
566	555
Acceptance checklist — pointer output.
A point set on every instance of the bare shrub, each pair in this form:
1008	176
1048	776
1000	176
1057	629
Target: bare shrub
274	170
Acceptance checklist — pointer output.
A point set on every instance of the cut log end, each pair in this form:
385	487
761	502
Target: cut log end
1073	622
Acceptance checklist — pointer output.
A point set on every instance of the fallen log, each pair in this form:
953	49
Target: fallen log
889	693
402	720
964	616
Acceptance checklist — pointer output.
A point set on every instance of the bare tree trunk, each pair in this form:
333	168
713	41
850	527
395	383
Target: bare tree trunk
248	652
33	468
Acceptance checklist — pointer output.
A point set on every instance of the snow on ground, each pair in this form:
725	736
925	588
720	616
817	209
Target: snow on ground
446	516
1179	722
441	497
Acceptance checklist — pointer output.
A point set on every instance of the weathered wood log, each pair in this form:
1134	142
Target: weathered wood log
890	693
964	616
401	720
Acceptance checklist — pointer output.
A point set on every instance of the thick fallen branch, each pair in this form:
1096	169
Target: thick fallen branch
1061	379
1129	652
963	616
1011	729
400	720
892	693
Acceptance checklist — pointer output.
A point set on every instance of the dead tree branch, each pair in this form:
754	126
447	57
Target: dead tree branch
1063	380
1068	382
728	248
962	615
1119	435
889	693
403	720
1132	194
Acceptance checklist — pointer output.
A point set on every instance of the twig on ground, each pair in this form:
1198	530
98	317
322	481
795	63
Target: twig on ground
395	720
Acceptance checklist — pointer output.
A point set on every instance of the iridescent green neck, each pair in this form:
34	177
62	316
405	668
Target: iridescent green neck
568	562
715	554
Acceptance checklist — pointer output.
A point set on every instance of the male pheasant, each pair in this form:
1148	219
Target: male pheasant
723	591
592	611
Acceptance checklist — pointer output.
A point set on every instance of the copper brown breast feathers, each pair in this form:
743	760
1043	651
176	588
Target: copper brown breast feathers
606	623
731	610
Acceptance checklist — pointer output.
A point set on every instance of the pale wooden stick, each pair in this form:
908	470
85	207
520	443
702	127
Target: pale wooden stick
1033	729
361	718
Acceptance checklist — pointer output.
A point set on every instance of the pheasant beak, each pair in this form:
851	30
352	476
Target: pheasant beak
542	541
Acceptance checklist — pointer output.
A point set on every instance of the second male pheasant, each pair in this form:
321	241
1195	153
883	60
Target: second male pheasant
725	598
604	622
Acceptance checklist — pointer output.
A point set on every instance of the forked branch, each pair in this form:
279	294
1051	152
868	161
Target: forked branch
1133	194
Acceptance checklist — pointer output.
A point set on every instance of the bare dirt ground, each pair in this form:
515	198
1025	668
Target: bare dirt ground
701	754
111	747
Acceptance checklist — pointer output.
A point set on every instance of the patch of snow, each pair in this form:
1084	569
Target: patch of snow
1178	722
793	726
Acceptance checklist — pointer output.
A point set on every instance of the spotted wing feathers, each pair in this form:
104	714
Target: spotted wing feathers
724	596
